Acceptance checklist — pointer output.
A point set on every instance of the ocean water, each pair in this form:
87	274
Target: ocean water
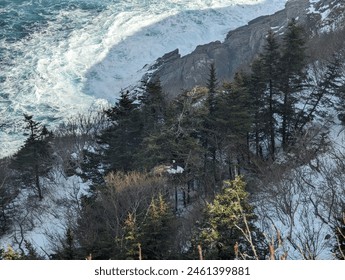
62	57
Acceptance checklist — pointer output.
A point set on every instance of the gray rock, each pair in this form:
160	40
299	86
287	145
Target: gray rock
239	48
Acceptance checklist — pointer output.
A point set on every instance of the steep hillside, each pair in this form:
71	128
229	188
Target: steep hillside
156	176
242	45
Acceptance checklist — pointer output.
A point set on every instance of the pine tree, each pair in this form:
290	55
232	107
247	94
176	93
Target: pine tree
132	246
105	227
292	77
31	252
212	84
229	231
68	250
157	139
270	61
257	90
234	121
209	134
319	100
119	143
176	139
153	107
157	230
10	254
34	159
234	115
124	137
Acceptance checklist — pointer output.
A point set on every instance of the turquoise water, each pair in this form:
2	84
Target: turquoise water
29	33
59	58
20	18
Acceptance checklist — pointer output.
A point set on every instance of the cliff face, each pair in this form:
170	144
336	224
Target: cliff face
240	46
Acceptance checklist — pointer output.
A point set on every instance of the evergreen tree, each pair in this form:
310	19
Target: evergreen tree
292	77
176	139
229	231
132	246
319	99
234	121
124	136
270	61
209	134
67	249
157	231
154	106
31	252
234	114
257	90
157	139
264	91
34	159
212	84
119	143
9	254
105	227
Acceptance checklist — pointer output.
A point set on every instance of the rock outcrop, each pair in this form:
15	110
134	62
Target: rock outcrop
241	45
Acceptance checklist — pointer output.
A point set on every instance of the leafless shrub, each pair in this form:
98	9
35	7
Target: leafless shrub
76	135
324	45
303	203
123	193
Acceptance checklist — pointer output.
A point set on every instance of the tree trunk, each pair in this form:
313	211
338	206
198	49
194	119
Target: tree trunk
37	182
272	128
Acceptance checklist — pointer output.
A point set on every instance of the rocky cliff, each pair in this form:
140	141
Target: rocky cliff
240	46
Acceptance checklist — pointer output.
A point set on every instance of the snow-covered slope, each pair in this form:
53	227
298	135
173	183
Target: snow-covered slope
44	223
52	77
59	58
301	205
329	14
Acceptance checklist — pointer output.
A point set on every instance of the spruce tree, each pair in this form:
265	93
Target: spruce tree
176	139
68	250
113	137
228	231
31	252
10	254
153	107
131	246
34	160
292	77
157	139
124	136
257	93
211	85
8	192
319	100
270	61
118	143
234	121
157	230
209	133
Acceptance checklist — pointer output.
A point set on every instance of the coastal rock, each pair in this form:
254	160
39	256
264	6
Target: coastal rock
241	45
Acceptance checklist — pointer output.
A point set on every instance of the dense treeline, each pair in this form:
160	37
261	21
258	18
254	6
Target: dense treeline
172	179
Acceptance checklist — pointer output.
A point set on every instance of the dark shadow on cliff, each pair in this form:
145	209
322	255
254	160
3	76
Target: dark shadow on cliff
125	62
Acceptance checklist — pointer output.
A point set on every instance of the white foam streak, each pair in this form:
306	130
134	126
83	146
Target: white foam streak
81	59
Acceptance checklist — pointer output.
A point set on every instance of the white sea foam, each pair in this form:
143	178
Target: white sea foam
83	58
